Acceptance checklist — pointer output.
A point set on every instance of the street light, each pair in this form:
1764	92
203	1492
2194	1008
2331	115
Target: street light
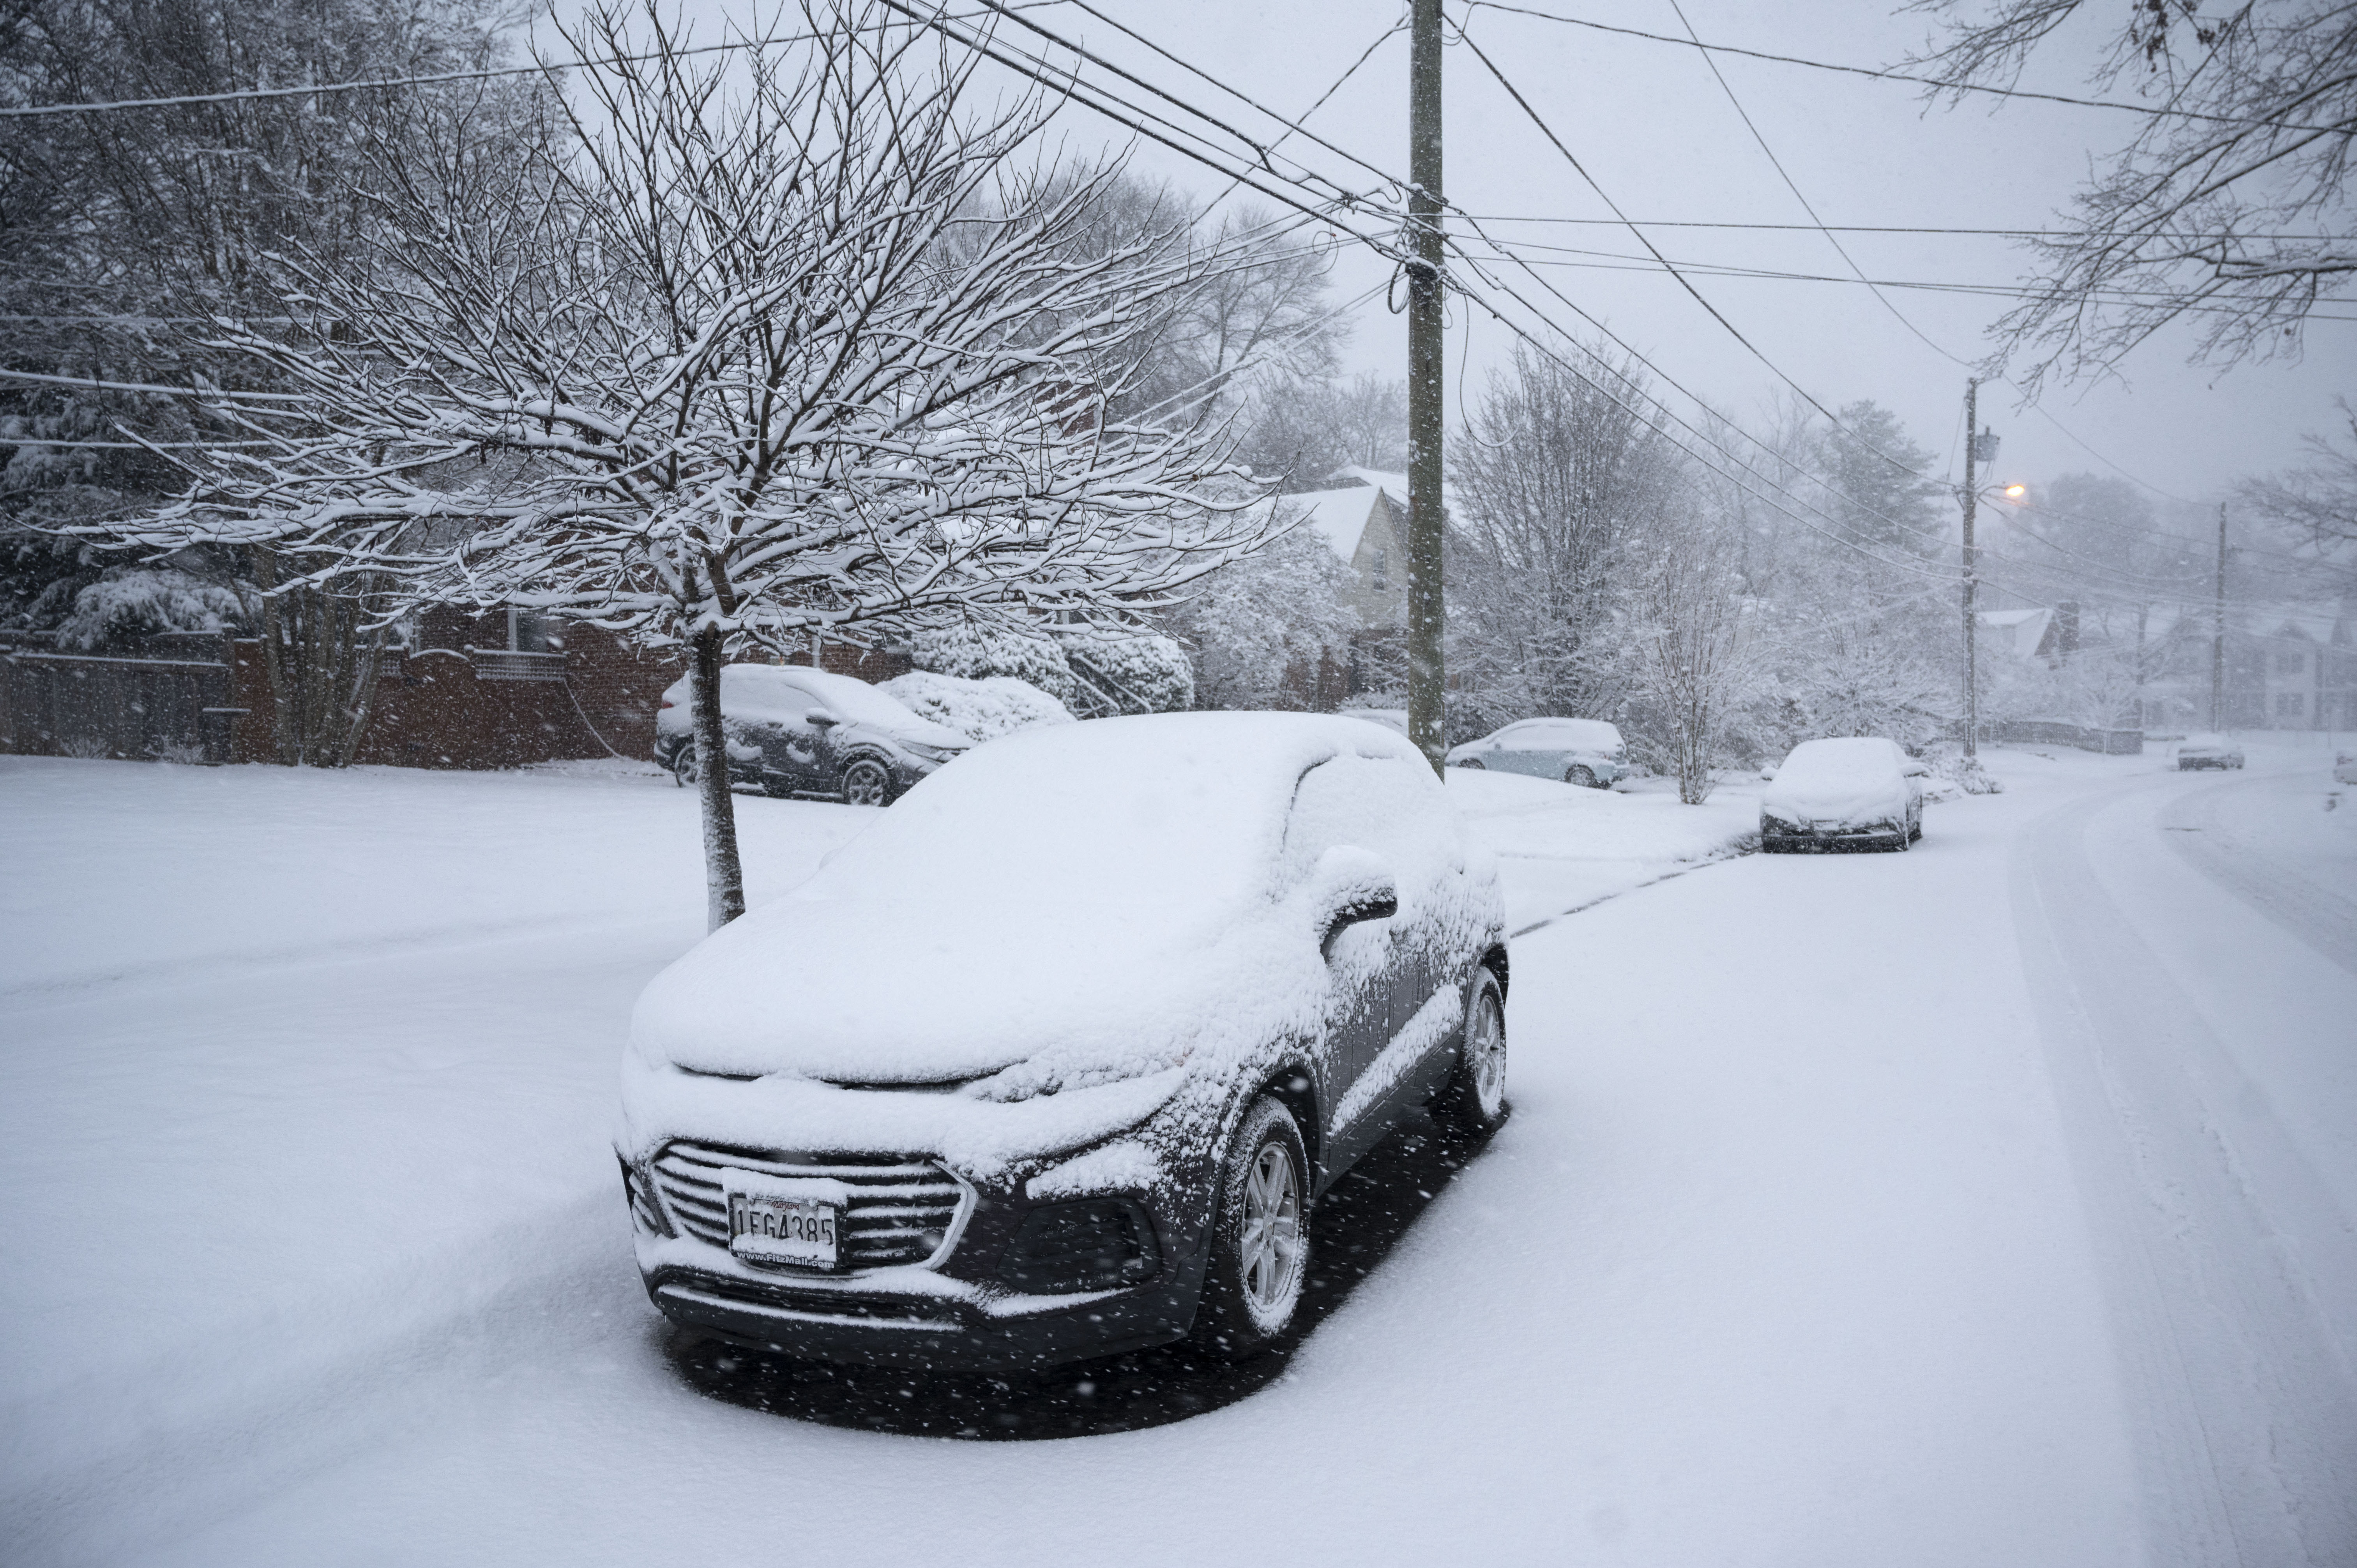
2015	492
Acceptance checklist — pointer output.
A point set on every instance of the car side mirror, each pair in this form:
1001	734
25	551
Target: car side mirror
1353	885
819	718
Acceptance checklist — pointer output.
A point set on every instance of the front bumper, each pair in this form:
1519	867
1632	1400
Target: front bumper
1782	834
929	1331
952	1309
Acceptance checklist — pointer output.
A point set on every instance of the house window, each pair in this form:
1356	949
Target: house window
529	632
1383	568
2290	662
2290	704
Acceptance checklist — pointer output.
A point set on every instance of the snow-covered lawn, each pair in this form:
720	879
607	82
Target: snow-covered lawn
1806	1245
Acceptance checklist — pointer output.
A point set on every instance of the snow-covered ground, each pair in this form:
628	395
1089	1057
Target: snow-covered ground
1989	1204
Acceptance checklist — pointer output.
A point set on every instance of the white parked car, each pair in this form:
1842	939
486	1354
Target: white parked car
1054	1060
1860	789
2207	751
1587	752
1392	719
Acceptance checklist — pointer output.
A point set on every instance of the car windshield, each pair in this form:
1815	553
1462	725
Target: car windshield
1561	735
854	701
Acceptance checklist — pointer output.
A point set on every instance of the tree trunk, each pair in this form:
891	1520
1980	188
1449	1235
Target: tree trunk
723	877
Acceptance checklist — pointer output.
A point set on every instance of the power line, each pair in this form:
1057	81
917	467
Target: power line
1863	227
1548	130
1880	74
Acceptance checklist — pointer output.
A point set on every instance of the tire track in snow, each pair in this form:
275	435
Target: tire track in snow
2241	1398
2198	831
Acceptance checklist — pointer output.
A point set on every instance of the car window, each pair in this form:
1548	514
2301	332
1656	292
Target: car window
1393	806
762	693
1562	735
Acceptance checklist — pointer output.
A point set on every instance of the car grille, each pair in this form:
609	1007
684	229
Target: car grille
901	1211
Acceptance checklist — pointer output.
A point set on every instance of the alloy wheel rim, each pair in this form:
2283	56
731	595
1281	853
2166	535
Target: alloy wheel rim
864	788
1272	1239
1488	1054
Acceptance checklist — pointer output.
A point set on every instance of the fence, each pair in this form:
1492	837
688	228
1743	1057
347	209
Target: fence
174	703
2054	732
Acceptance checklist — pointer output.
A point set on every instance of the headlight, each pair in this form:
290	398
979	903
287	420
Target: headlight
936	755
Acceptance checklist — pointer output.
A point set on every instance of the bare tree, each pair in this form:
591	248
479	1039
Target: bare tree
1693	663
722	376
2314	506
2229	209
1560	483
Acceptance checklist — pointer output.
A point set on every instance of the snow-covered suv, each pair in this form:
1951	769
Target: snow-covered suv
1054	1060
793	731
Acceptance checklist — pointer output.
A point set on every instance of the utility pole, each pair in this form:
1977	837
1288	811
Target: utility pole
1426	679
2218	633
1971	582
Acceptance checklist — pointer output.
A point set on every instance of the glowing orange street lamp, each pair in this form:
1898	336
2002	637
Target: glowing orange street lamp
2015	492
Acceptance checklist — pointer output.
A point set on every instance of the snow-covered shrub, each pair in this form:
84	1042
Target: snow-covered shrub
975	652
140	601
1963	774
1130	672
1256	619
981	710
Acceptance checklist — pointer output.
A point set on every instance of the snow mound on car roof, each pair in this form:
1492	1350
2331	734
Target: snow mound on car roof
1838	779
1068	909
981	709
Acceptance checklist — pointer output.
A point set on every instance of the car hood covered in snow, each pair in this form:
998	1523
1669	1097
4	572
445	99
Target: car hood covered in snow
1835	781
1076	914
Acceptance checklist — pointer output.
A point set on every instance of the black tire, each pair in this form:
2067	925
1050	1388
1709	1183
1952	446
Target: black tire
1581	774
1906	840
1253	1278
867	782
1474	763
683	766
1473	1104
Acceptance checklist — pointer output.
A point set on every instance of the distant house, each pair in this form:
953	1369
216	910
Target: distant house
1364	521
2018	634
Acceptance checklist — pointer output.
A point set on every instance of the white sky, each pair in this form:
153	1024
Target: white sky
1657	131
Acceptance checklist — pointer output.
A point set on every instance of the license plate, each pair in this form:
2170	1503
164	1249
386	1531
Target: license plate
763	1230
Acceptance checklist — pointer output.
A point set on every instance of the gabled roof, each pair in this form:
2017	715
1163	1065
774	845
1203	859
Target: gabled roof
2017	632
1340	517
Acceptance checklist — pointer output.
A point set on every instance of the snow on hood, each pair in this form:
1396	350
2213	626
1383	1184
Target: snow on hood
1068	908
1845	780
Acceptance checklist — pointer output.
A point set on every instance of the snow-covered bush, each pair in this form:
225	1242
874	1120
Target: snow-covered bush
981	710
1255	619
1130	672
141	601
1964	775
972	651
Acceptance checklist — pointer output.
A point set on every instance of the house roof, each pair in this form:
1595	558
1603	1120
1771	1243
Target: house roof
1340	517
2017	632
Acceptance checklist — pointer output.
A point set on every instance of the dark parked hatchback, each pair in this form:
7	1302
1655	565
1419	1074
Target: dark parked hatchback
1055	1059
808	733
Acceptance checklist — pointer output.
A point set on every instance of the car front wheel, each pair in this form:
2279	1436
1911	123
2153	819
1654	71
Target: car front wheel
683	766
1473	1105
867	782
1582	776
1260	1235
1474	763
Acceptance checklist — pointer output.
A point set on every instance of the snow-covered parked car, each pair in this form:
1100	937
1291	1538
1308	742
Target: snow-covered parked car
1055	1058
1851	790
1578	751
793	731
1392	719
2197	751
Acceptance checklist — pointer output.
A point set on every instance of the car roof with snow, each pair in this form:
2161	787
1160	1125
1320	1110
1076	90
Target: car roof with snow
1574	735
1088	877
1841	757
789	690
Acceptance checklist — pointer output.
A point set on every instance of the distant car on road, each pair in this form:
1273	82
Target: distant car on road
1854	791
1587	752
808	732
1054	1060
2207	751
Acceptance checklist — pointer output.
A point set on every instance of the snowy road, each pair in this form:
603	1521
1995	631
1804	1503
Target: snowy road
1987	1205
